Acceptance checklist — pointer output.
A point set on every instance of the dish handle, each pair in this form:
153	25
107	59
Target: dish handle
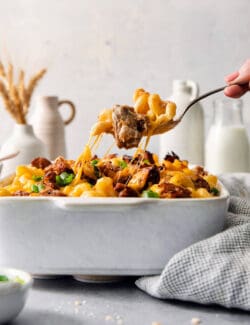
80	204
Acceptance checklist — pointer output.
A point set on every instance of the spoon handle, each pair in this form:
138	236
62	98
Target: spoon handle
12	155
211	92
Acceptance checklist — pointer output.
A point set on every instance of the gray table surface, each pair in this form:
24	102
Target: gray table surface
65	301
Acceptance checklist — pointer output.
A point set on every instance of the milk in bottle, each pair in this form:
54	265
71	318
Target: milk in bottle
227	146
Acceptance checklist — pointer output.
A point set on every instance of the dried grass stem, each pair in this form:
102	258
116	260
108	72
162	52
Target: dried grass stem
17	97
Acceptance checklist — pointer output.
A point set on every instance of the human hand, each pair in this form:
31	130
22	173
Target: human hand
241	77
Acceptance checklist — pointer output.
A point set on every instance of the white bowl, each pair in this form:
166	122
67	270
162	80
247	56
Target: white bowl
13	293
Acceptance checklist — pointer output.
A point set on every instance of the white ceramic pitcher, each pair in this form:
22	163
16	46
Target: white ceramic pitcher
187	138
49	125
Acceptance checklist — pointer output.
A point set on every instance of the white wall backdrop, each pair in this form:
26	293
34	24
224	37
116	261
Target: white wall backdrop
98	51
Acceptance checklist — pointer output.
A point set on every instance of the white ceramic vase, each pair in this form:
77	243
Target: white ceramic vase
24	141
49	125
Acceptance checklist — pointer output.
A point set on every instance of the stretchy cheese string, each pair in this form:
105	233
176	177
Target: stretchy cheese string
84	157
109	149
78	176
97	143
147	141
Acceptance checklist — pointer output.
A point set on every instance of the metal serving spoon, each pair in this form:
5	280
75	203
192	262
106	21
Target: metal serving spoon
164	127
12	155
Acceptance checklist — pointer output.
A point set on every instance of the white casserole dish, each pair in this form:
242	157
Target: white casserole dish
103	236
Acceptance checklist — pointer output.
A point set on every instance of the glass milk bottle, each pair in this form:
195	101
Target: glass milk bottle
187	138
227	146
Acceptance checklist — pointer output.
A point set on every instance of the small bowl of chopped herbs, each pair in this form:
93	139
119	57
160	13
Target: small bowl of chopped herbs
14	287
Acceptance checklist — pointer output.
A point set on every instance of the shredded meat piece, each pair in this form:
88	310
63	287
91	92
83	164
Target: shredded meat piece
119	187
124	175
40	162
154	175
171	157
108	169
201	182
125	191
21	193
128	192
144	177
129	126
149	156
144	156
127	158
200	171
169	190
51	192
49	179
59	166
123	179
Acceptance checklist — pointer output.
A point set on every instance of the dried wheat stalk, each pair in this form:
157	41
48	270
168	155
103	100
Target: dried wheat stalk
17	97
6	99
31	86
2	70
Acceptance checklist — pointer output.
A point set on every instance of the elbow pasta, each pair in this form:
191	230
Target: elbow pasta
140	175
157	111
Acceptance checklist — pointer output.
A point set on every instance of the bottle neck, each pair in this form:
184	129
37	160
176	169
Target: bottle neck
228	112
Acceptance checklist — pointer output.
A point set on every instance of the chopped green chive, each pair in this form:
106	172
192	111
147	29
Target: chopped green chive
215	191
64	178
37	178
146	161
123	164
34	188
96	170
150	194
3	278
37	188
94	162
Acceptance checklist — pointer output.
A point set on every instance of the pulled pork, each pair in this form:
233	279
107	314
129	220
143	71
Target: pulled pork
129	126
169	190
40	162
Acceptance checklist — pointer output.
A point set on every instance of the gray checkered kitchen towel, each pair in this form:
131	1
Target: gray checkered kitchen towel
215	270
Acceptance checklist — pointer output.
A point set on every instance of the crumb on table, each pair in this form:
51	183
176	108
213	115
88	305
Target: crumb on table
195	321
